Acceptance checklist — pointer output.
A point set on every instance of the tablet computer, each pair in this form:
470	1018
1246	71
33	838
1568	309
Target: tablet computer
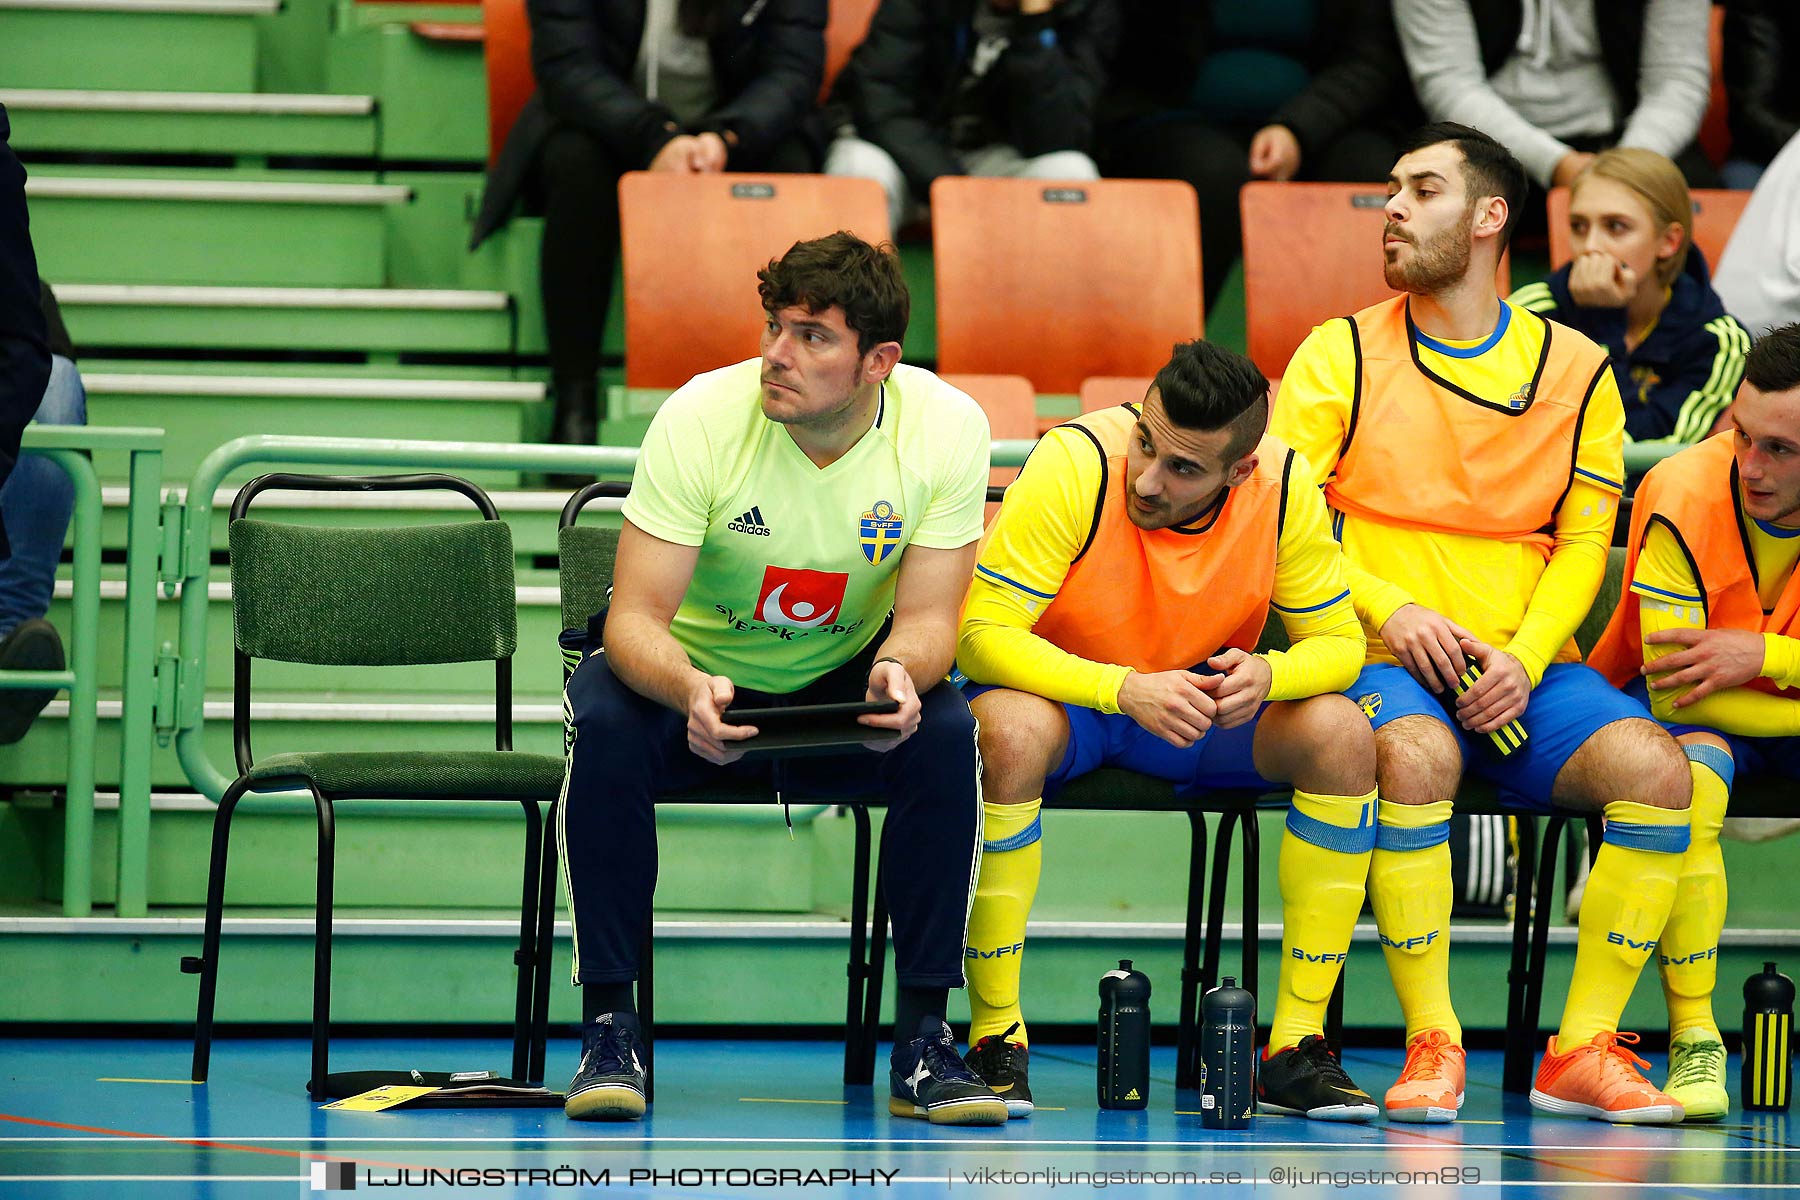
809	728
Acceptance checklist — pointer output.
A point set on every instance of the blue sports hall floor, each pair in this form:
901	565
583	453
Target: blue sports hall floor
117	1117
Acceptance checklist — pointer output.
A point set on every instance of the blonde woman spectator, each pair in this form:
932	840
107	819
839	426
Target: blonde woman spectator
1638	286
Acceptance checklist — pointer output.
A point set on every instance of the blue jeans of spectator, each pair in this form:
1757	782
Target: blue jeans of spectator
37	503
1742	174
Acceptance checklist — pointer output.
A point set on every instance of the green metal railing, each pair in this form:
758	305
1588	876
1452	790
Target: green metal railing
70	447
1641	456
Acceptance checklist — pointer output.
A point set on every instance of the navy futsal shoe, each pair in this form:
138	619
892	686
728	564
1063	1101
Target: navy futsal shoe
928	1079
609	1084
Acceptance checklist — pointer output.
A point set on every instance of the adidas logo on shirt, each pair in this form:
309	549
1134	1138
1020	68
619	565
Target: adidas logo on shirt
751	523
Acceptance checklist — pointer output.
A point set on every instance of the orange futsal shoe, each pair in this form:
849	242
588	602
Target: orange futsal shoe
1601	1080
1430	1087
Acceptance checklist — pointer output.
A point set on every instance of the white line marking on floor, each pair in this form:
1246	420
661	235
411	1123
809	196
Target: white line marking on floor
945	1143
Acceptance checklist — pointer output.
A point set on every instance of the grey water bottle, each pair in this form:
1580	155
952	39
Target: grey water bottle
1227	1056
1123	1067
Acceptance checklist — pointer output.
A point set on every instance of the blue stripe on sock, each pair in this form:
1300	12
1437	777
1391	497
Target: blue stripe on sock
1665	839
1359	840
1718	761
1019	840
1421	837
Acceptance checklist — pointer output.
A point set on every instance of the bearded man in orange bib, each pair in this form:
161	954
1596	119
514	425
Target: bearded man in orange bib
1472	454
1117	600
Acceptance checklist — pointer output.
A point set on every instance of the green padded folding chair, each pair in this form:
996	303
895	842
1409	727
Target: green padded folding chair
376	597
586	555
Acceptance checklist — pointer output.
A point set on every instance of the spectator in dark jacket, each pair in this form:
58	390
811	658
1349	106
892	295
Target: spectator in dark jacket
1219	93
1762	84
24	374
1638	286
629	85
24	349
972	87
36	505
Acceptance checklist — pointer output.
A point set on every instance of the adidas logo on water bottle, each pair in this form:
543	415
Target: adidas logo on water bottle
751	523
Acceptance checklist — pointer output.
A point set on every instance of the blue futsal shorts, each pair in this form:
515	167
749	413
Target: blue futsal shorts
1220	759
1571	703
1749	755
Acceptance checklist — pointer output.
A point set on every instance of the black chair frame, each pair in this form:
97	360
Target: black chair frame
532	954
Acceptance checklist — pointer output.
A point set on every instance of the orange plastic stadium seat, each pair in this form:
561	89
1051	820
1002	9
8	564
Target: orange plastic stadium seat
691	247
1110	391
1060	281
1312	251
1716	213
1715	127
1011	408
845	28
509	78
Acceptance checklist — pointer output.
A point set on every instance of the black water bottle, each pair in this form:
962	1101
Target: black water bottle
1227	1057
1123	1072
1768	1040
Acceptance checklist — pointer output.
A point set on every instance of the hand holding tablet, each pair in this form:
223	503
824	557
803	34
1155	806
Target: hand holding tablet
807	729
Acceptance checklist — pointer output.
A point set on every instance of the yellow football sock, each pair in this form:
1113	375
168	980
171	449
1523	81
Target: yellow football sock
1688	954
1011	858
1324	861
1409	888
1623	912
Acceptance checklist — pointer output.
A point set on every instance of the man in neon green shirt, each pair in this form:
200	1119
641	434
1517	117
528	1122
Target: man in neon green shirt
800	530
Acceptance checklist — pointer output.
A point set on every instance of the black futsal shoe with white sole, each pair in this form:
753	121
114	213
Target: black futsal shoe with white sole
1308	1081
1003	1066
609	1084
927	1078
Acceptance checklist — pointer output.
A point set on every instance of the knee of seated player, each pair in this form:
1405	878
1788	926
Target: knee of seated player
1418	761
1022	737
1702	737
1634	759
1322	744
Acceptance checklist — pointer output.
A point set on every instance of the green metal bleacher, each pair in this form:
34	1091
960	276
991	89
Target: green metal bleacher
370	321
431	91
242	125
307	229
132	45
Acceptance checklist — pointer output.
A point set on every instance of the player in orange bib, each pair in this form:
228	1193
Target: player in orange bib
1472	452
1712	617
1117	599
